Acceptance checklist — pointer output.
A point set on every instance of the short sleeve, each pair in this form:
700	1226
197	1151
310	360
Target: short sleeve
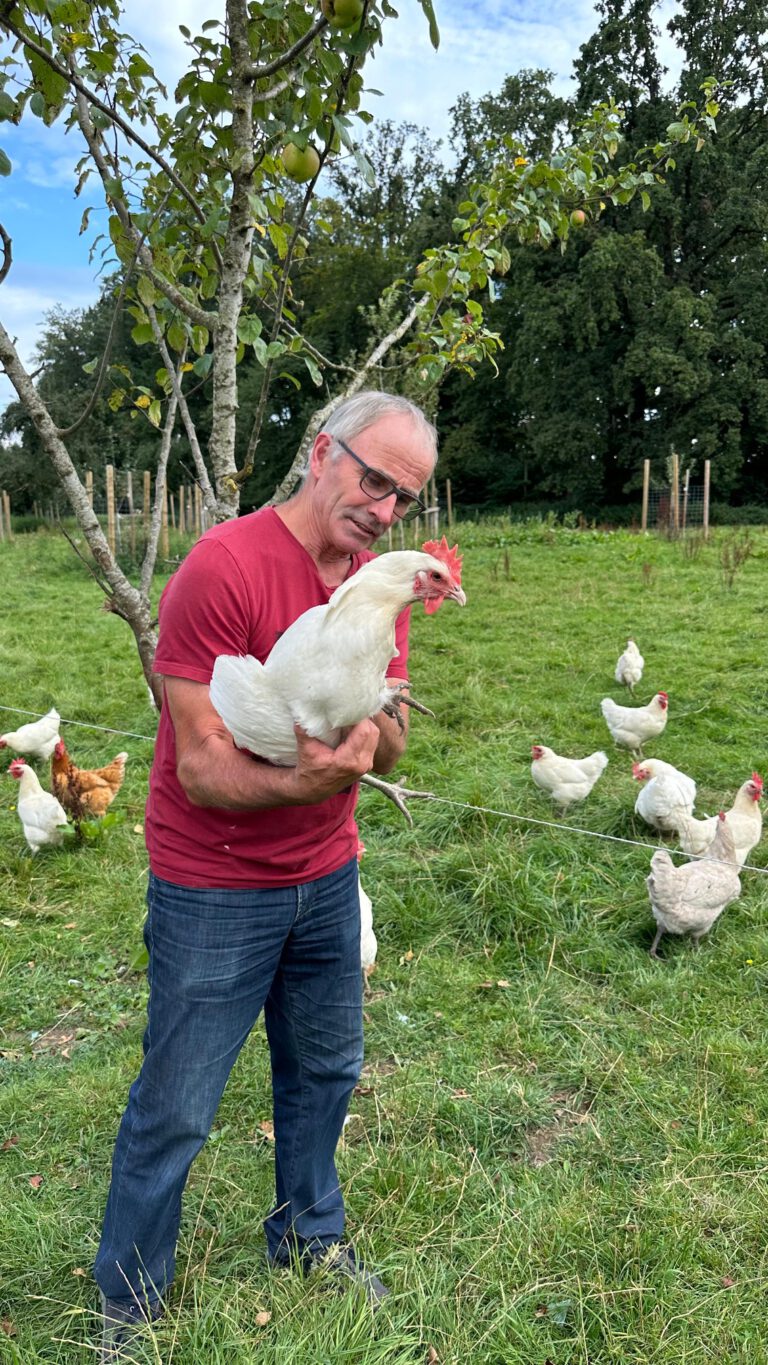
204	611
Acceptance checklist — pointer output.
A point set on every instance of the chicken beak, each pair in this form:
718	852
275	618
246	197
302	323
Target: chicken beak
456	594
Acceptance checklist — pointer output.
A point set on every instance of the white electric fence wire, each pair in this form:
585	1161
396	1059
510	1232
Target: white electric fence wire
444	801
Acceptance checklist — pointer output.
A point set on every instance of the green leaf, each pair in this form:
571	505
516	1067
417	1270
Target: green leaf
177	337
155	413
434	32
141	333
146	291
202	366
199	340
646	198
7	105
314	370
249	327
5	165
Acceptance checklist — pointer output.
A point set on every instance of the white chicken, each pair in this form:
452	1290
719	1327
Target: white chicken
629	669
688	899
42	817
744	820
632	726
565	779
327	670
667	799
38	739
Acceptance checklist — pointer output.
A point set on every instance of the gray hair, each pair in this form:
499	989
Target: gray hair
356	414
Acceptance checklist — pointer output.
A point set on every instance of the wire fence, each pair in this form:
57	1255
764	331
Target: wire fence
442	800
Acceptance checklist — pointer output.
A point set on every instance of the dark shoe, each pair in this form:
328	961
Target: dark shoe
122	1324
341	1265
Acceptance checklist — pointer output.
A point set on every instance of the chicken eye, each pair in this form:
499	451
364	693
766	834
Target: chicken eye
435	576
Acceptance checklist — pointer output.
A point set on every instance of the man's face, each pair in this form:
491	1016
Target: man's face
350	518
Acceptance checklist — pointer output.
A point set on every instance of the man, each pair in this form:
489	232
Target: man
253	896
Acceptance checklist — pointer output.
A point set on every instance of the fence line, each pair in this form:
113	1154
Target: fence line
445	801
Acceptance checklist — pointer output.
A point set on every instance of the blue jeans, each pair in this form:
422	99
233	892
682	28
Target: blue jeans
215	959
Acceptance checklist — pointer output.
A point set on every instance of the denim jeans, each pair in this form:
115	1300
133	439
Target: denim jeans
216	957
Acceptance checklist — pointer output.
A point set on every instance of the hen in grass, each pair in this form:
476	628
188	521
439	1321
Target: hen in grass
632	726
38	739
667	799
744	820
85	793
629	669
565	779
42	817
688	899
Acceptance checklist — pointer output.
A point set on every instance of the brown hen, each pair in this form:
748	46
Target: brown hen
85	793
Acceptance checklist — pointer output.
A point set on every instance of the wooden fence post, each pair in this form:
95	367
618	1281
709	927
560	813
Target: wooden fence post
705	514
109	473
89	485
686	482
449	502
7	511
182	510
646	488
674	502
198	512
129	496
2	525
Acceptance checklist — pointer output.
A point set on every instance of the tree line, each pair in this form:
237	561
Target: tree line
646	335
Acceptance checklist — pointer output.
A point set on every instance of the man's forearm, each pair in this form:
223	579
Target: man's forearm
218	774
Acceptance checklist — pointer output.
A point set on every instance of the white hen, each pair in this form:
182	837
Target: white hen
744	820
629	669
565	779
631	726
688	899
42	817
38	739
327	671
669	796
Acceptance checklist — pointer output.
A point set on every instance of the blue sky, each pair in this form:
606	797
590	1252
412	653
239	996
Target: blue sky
481	43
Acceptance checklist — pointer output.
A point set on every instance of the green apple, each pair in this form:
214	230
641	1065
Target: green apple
301	163
342	13
578	218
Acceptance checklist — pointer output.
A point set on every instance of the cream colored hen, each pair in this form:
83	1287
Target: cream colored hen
744	820
629	669
632	726
668	797
688	899
565	779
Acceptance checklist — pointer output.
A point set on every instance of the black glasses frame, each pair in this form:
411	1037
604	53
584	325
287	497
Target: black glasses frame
415	505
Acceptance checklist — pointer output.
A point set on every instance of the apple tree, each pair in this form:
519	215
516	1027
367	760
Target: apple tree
209	197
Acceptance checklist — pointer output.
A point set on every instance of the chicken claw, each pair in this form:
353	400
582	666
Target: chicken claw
397	793
392	707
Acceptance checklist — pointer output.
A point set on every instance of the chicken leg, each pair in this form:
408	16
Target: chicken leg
392	707
397	793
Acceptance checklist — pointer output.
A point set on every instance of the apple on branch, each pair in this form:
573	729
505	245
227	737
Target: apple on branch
301	163
342	13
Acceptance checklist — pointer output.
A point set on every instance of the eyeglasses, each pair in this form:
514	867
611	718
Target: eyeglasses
378	487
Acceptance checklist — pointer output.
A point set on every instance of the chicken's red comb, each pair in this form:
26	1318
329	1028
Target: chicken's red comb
665	695
758	781
446	555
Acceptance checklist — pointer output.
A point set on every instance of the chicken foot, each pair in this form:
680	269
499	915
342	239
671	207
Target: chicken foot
392	707
397	793
655	944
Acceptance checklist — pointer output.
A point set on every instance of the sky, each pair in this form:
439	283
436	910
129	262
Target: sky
481	43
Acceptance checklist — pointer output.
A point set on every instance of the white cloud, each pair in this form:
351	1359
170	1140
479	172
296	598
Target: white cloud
23	307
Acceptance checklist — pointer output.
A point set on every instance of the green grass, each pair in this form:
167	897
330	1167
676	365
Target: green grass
558	1152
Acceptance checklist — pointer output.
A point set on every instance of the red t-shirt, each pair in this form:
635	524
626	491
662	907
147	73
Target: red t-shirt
239	588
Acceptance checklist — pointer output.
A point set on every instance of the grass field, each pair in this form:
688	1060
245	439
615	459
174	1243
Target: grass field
557	1154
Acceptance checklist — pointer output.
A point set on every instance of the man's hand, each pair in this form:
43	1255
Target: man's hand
321	772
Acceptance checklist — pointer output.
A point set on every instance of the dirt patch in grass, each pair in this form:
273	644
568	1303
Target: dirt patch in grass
571	1109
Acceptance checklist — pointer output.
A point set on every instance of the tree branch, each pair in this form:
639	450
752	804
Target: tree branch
257	73
299	467
7	255
72	79
175	373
